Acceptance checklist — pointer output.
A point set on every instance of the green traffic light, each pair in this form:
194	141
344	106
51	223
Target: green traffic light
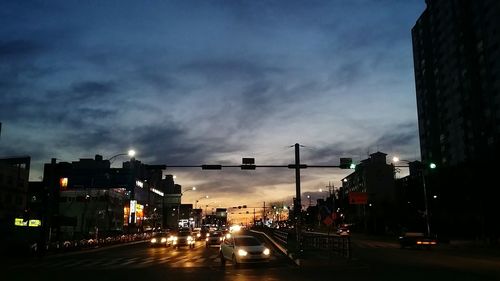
432	166
352	166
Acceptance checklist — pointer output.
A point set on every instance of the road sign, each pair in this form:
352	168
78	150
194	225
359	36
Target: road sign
358	198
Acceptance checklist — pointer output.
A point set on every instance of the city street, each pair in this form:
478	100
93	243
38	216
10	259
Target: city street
375	260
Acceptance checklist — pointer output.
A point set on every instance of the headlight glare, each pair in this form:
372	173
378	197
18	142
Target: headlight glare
242	252
266	252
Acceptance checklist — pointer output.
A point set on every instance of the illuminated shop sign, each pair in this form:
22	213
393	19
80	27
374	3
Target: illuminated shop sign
133	206
30	223
20	222
63	183
34	223
157	192
139	208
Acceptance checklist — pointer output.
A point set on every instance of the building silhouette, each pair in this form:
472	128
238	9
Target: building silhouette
374	177
457	76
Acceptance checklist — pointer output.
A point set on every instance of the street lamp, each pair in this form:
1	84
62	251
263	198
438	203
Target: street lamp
426	204
191	189
130	153
196	202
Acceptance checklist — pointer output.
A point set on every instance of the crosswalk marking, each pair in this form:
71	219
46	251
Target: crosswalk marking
172	259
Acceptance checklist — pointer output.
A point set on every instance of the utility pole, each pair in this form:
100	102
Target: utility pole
264	215
298	203
331	188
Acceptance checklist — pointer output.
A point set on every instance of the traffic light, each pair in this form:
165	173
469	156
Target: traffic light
248	167
432	165
248	164
211	167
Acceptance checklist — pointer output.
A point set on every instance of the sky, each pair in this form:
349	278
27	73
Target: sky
210	82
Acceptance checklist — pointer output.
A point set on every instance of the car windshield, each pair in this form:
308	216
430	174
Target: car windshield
246	241
184	233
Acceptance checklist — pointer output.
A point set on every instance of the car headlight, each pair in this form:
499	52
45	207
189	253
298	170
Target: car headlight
198	235
208	234
206	239
163	240
174	238
189	238
153	240
266	252
221	239
242	253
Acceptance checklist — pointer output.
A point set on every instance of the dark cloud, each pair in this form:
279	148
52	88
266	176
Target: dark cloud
19	49
79	80
89	90
224	70
400	137
170	144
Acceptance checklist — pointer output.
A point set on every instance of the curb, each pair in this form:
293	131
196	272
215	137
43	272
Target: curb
281	248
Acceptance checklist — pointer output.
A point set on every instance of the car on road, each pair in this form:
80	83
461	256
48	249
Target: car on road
214	238
159	239
416	240
183	238
197	234
343	231
243	249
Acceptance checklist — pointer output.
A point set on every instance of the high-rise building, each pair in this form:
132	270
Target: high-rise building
457	74
456	51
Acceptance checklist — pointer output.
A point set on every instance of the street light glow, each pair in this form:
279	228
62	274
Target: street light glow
131	153
395	159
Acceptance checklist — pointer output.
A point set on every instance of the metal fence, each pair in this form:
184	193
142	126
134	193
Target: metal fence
331	244
340	245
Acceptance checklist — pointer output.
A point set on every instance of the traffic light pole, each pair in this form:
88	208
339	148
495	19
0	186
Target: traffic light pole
426	204
249	165
298	205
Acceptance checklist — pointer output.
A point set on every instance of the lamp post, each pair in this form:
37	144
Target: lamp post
196	202
426	204
130	153
179	206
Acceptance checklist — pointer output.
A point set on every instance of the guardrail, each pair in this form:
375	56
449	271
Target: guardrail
312	241
340	245
281	236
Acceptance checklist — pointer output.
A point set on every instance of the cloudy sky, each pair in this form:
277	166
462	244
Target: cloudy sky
202	82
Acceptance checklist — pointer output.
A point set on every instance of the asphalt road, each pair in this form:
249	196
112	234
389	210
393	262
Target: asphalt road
373	260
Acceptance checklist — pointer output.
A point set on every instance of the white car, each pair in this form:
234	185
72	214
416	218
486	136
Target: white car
243	249
183	238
